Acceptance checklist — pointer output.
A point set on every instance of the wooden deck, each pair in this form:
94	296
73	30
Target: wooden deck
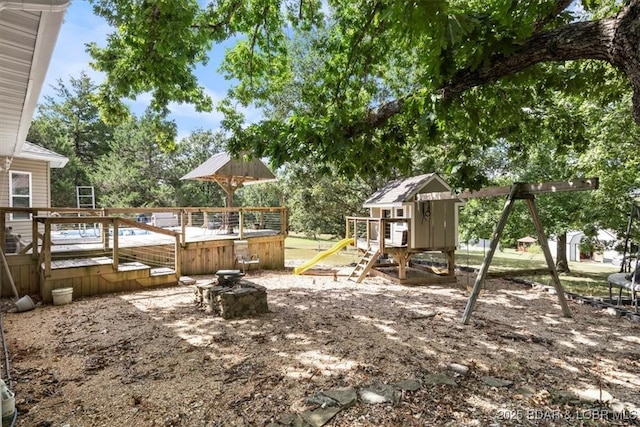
96	275
138	256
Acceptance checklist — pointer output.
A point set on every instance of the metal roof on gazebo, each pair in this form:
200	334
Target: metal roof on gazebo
222	166
231	173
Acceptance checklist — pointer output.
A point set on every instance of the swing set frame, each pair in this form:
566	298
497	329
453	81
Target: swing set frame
518	191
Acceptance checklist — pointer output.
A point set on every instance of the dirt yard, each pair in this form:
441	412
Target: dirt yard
155	358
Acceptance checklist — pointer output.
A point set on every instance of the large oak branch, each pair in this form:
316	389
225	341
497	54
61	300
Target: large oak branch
614	40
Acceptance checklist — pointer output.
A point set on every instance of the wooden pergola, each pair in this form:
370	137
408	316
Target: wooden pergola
517	191
231	173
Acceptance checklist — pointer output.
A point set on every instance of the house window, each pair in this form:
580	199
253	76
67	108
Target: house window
20	194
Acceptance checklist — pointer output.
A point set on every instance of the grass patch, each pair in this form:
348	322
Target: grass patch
586	278
304	248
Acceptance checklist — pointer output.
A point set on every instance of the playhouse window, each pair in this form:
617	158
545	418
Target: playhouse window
399	213
20	194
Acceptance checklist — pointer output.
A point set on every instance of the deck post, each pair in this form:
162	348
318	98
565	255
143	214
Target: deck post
115	245
34	237
368	225
346	228
105	236
240	224
178	259
3	225
285	221
183	225
46	248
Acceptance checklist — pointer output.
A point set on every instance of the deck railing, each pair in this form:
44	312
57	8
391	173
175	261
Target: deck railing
380	232
243	222
109	243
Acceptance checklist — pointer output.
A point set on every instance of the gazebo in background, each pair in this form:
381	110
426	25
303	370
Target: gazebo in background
231	173
525	243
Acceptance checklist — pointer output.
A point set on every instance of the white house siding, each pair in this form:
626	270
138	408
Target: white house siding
40	184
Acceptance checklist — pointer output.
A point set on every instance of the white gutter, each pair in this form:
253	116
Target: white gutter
52	12
35	5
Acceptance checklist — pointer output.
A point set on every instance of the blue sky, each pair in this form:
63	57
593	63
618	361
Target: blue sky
69	59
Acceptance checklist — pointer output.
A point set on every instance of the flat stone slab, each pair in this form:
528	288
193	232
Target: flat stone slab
186	280
291	420
319	398
319	417
380	393
435	379
345	397
496	382
408	385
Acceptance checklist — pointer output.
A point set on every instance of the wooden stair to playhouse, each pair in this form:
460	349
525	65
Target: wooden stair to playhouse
365	265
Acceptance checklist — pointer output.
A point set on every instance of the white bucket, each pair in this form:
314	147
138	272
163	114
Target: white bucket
62	296
8	402
25	304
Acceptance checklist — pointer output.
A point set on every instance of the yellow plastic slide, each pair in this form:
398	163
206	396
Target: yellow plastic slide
335	248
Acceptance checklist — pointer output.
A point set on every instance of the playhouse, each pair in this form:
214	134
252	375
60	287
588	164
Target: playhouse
400	226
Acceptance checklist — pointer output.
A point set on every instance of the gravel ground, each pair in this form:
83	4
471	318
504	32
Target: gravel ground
155	358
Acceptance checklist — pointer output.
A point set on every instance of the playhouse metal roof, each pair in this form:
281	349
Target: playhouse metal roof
400	191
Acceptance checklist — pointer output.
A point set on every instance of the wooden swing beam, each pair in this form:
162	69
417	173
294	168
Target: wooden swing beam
517	191
522	189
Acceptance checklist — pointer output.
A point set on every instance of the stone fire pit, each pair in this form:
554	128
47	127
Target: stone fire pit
239	299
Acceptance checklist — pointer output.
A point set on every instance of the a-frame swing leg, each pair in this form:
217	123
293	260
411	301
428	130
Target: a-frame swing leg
542	239
471	302
494	244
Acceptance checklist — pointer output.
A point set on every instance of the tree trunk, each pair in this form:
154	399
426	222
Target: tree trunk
562	265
